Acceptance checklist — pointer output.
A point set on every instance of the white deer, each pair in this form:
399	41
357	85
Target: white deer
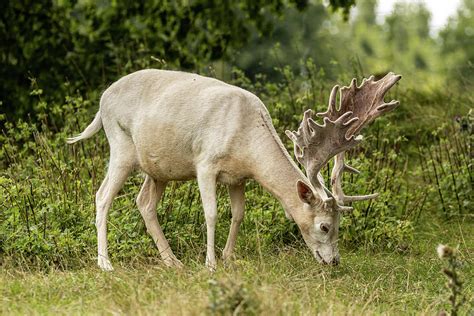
179	126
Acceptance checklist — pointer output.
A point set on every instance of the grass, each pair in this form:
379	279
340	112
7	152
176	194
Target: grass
285	281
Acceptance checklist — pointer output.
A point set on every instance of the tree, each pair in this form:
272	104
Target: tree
458	45
91	43
366	12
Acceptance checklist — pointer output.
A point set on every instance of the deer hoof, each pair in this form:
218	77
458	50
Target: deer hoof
173	262
211	266
228	255
104	264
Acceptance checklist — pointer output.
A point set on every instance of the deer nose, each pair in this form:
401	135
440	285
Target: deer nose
335	260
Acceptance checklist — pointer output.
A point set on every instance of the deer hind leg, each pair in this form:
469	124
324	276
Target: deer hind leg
237	202
122	161
149	196
207	187
116	175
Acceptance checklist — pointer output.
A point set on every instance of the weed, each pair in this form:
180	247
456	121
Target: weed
454	284
227	297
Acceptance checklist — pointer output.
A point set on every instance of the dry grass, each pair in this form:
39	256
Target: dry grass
286	282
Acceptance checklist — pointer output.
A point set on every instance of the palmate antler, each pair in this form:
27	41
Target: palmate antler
365	102
315	144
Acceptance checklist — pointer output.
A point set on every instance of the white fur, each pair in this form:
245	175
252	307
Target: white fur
179	126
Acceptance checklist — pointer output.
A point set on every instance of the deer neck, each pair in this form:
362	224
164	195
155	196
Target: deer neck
277	173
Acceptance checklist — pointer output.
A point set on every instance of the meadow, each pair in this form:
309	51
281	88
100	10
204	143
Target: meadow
281	281
419	158
389	261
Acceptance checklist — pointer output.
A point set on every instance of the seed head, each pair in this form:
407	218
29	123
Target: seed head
444	251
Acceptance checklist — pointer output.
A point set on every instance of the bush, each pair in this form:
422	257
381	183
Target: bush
48	215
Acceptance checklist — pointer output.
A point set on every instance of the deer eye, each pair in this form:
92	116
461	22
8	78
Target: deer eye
324	227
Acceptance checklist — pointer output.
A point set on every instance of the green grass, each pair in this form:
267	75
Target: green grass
287	281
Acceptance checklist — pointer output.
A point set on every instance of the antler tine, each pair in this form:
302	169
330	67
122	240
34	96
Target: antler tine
336	182
330	201
333	97
315	144
365	101
387	107
302	137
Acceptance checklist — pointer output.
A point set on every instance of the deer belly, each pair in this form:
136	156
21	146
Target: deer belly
167	166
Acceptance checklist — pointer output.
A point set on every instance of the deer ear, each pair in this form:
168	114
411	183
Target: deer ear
305	192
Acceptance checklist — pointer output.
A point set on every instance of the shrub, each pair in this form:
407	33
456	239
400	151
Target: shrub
48	187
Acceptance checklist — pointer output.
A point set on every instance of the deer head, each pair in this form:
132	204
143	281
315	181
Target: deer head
315	144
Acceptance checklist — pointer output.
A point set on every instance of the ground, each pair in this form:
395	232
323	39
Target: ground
288	281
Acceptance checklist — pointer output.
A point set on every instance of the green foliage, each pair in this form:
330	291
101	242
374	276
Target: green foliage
289	53
57	56
345	5
285	46
448	169
388	221
458	46
90	43
48	215
402	42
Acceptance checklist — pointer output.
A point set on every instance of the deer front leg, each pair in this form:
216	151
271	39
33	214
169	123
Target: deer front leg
237	206
207	187
149	196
